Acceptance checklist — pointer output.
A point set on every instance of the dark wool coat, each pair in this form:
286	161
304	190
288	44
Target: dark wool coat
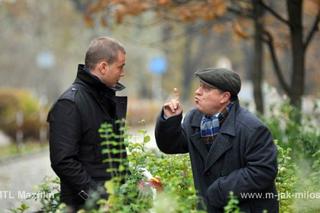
75	143
242	159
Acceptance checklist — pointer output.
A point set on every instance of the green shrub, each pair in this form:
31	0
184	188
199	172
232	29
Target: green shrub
286	179
298	157
13	101
304	137
232	205
48	194
172	178
298	163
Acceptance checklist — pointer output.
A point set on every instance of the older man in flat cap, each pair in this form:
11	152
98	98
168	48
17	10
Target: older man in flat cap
230	148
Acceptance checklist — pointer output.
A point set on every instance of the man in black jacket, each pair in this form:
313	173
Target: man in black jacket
74	120
230	148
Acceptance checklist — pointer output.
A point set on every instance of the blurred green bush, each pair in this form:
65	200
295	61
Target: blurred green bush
298	156
13	101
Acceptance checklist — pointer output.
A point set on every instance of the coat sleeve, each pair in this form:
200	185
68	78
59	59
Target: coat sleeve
170	135
65	134
258	174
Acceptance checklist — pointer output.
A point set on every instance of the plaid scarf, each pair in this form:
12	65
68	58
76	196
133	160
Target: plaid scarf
210	125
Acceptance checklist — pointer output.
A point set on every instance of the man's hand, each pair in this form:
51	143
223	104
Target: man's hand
173	106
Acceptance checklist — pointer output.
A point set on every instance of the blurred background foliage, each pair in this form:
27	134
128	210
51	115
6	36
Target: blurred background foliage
15	102
285	28
271	44
42	42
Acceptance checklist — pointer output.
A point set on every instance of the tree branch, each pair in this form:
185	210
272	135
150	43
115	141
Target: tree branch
275	62
239	12
313	30
274	13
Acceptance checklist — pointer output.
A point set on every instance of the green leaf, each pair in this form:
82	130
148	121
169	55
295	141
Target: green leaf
110	187
146	139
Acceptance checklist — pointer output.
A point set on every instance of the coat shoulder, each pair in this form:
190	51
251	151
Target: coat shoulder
67	98
192	118
71	93
248	120
187	118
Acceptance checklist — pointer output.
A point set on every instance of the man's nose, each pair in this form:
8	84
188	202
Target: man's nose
198	91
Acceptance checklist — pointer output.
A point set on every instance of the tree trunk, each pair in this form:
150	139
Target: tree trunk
192	59
187	68
298	53
257	74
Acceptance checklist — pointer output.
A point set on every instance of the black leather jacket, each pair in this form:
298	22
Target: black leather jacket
75	143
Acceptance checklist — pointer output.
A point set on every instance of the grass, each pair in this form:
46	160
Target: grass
12	150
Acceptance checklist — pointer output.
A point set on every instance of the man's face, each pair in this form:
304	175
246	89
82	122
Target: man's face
210	100
113	72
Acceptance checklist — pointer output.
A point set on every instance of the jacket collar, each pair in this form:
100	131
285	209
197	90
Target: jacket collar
84	76
228	126
223	142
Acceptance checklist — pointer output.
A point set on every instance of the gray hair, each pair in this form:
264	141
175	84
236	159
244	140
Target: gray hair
102	48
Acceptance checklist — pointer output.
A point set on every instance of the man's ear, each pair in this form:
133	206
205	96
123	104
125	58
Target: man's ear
103	67
226	96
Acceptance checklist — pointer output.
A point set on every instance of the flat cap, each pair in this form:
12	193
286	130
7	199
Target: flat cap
221	78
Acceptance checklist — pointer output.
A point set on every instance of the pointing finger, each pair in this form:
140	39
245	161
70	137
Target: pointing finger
176	94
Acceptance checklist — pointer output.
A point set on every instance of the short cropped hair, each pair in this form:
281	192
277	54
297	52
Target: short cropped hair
102	48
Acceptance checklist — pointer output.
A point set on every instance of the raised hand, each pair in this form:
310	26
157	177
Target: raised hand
173	106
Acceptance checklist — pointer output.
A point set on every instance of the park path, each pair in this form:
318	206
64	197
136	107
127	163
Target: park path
19	176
